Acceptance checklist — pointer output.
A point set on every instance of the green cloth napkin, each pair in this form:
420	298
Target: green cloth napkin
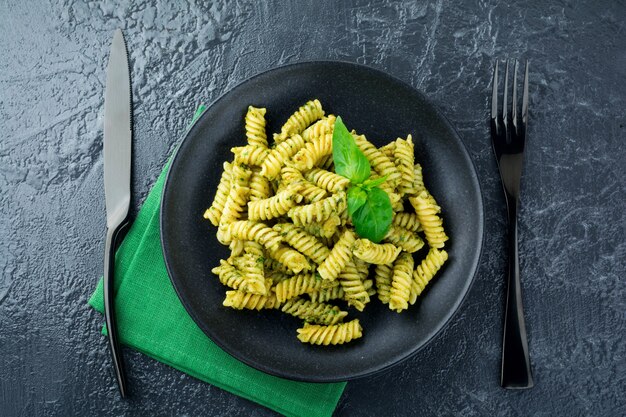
152	320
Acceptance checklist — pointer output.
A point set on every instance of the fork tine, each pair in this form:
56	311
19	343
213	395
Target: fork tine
514	101
505	103
525	99
494	95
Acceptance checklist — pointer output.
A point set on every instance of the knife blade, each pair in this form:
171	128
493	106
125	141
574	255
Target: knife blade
117	162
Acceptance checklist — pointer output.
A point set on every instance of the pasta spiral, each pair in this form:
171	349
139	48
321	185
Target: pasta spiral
327	180
229	275
326	162
236	201
325	229
401	282
319	128
297	122
258	232
379	161
277	276
253	248
275	206
250	155
303	242
383	275
297	285
426	270
236	248
388	150
293	260
327	294
419	179
339	256
274	266
259	187
255	126
426	208
375	253
404	239
242	300
355	293
407	221
318	211
310	192
313	152
405	156
313	312
334	334
362	267
277	157
214	213
252	269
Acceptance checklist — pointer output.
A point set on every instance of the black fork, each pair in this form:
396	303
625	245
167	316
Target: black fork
508	134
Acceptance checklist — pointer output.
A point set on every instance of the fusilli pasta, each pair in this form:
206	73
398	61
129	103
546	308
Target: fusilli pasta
407	221
426	270
375	253
244	300
255	126
401	282
327	180
313	312
310	192
283	211
355	292
303	242
319	128
259	187
427	210
318	211
334	334
404	239
214	213
252	155
293	260
404	156
383	275
297	285
277	157
252	269
313	152
275	206
237	197
297	122
339	256
258	232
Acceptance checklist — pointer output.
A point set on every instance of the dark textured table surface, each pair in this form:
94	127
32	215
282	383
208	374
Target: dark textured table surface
53	360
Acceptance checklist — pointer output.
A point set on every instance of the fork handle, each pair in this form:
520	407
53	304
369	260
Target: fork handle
516	372
113	234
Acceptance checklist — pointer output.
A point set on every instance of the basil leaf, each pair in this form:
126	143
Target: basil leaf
374	183
356	198
349	161
372	220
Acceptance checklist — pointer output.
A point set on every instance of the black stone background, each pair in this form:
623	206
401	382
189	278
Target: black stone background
54	362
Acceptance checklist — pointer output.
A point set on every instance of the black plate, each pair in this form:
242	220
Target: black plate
377	105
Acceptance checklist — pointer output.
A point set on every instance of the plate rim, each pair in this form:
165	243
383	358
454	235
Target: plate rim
377	370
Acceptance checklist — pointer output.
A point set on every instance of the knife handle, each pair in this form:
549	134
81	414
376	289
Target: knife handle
112	236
